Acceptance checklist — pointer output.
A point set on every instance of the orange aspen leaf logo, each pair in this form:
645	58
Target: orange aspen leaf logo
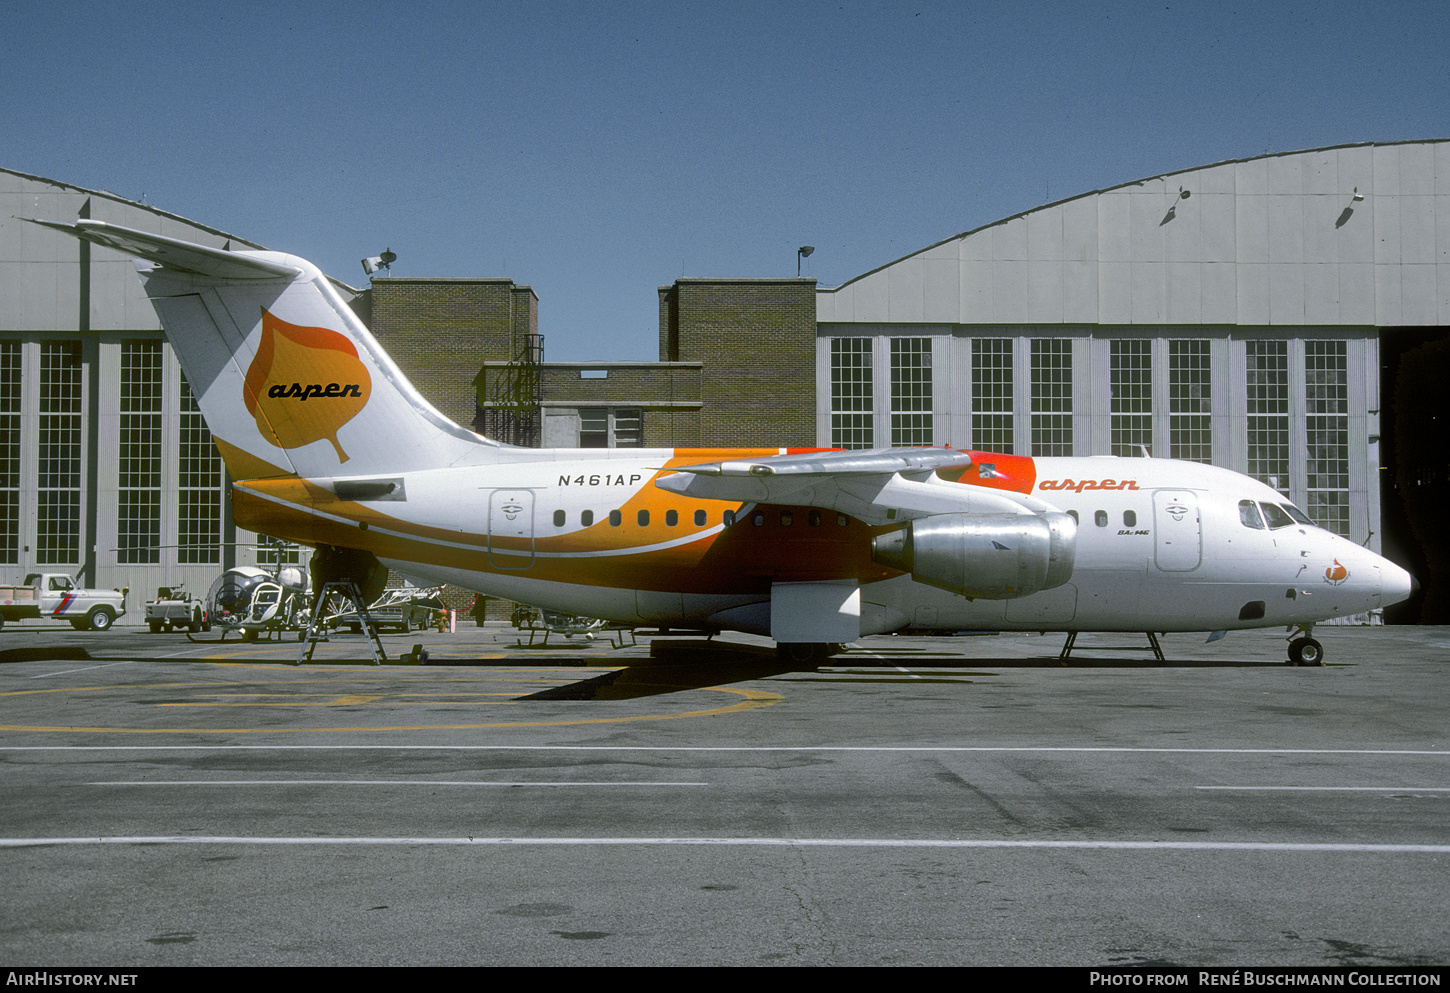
1336	574
304	384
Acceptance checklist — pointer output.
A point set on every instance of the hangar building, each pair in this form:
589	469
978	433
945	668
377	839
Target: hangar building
1229	314
1282	315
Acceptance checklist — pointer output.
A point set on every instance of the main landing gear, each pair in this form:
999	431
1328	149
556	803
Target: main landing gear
1304	650
805	653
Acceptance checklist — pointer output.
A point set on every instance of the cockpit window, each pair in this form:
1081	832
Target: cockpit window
1249	514
1297	514
1277	516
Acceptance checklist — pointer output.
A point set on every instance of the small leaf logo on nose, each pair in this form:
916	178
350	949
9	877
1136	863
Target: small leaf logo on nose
1336	574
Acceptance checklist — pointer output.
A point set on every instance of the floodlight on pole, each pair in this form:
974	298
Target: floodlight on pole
384	261
804	252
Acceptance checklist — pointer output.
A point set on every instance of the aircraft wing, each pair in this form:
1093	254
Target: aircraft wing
878	486
182	256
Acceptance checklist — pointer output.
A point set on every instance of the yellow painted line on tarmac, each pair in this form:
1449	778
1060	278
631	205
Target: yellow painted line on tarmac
750	699
345	700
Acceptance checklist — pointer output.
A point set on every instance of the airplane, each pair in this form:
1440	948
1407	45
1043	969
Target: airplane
329	445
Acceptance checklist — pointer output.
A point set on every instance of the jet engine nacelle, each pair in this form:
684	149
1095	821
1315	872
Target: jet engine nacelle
983	556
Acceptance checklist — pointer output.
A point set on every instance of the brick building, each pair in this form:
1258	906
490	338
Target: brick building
737	368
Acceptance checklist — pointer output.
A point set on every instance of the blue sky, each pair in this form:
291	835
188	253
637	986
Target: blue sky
598	150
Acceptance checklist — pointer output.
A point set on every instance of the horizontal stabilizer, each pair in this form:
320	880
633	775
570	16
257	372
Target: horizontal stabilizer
182	256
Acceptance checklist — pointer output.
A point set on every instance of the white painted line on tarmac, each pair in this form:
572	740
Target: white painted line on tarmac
935	843
375	782
1338	789
66	672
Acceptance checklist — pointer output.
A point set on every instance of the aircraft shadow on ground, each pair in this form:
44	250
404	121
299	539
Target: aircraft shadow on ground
673	668
698	665
52	653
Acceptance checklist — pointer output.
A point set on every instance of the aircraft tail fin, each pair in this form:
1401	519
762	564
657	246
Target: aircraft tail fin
286	375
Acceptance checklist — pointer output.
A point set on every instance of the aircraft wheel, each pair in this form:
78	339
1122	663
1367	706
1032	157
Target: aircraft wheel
1306	651
804	652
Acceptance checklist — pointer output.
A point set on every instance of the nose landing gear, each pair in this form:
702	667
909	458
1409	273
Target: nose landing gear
1304	650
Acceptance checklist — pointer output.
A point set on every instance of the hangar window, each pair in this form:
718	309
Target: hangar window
1268	422
138	497
10	452
199	480
1326	395
58	496
911	422
1052	396
852	397
992	394
1190	401
1131	380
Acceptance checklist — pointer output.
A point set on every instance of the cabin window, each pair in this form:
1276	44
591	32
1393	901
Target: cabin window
786	518
729	518
1073	515
1250	516
1276	516
586	517
558	518
672	517
699	518
840	520
642	518
814	518
758	519
615	518
1130	519
1101	518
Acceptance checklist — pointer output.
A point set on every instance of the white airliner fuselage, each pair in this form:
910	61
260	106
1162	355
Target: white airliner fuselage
329	445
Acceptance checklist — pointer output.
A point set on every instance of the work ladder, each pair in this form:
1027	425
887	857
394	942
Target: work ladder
317	631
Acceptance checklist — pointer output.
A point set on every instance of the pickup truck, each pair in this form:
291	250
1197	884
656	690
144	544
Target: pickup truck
175	608
56	596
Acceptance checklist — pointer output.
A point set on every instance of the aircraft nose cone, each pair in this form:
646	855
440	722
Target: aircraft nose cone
1396	583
